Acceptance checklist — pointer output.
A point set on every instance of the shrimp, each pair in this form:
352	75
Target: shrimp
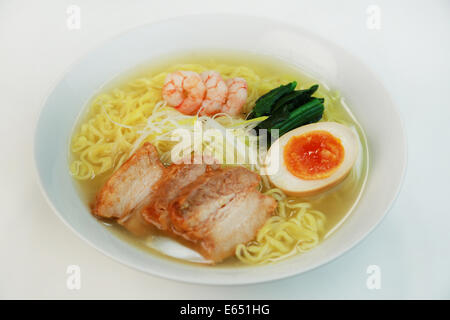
216	93
237	96
184	90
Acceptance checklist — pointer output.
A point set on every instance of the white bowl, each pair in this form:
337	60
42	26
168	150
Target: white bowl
365	95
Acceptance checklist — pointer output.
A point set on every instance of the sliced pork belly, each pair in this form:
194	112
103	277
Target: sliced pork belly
131	185
239	222
220	210
175	178
200	201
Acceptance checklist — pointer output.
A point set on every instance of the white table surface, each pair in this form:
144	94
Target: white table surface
410	54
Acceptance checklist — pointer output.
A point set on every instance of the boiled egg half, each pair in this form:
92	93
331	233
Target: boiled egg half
312	158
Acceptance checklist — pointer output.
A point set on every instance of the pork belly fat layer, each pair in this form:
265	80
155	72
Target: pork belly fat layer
130	184
240	222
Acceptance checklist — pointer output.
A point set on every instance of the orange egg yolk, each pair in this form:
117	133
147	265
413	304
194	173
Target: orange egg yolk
313	155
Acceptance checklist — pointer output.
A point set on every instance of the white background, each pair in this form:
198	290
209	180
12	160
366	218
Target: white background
409	54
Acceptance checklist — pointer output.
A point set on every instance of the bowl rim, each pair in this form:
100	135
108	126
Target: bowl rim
209	281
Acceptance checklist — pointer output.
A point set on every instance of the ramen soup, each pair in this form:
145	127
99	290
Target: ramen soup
219	159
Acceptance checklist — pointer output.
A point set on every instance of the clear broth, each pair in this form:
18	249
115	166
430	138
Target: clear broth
336	203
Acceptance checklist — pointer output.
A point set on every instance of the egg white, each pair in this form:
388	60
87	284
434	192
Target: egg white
280	176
